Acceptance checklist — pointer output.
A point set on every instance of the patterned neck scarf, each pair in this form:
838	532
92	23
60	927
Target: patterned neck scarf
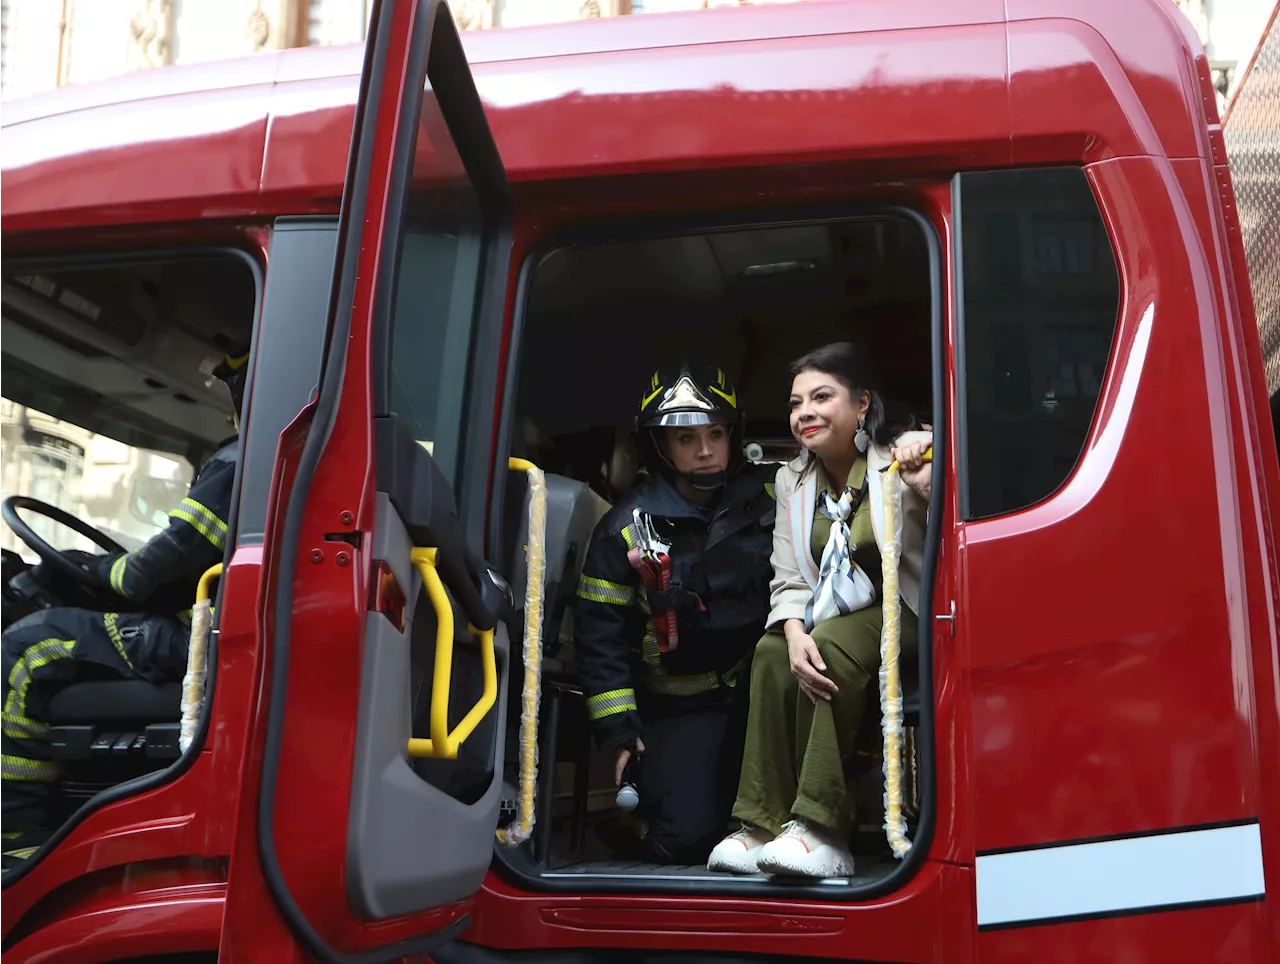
842	586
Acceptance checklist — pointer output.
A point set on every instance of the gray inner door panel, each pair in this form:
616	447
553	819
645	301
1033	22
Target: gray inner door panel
413	841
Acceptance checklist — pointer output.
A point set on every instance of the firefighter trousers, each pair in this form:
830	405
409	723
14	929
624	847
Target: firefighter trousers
49	650
798	751
688	776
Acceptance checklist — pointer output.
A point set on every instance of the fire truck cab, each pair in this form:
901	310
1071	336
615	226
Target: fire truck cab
455	261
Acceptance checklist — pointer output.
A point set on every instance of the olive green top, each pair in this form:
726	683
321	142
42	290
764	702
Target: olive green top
862	538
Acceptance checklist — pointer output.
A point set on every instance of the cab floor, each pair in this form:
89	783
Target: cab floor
875	868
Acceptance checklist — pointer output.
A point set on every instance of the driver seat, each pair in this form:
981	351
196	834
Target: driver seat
106	732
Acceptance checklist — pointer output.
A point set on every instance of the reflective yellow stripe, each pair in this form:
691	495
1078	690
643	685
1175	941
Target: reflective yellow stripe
604	591
28	771
203	520
22	853
649	651
33	657
629	536
117	574
20	728
611	703
109	620
695	684
768	488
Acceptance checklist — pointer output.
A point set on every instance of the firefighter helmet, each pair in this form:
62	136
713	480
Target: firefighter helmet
683	396
232	371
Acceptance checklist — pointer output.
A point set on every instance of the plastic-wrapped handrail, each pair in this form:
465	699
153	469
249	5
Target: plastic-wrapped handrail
521	828
197	658
895	824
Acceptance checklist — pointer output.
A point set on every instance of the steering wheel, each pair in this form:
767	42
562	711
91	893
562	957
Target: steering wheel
56	559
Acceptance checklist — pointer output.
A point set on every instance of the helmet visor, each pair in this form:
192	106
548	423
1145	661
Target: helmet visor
686	419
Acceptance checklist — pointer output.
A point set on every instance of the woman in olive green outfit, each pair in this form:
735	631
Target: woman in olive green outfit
813	669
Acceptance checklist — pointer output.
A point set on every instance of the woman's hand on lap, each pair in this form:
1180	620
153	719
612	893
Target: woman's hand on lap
808	668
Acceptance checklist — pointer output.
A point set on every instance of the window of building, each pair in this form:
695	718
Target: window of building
4	44
1039	297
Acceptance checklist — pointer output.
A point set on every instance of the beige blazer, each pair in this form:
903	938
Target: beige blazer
795	571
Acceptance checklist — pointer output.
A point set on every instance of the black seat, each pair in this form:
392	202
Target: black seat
105	732
116	701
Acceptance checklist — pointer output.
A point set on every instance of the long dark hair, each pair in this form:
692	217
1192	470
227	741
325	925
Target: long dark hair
849	365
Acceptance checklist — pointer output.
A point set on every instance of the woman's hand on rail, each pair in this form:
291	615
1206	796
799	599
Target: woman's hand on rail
807	666
623	758
916	472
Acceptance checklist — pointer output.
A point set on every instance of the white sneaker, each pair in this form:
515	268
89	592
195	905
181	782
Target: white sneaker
804	851
737	853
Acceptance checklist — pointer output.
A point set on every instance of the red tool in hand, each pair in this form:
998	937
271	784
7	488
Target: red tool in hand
651	558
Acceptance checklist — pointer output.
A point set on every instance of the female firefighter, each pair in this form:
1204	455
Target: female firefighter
53	648
673	593
812	670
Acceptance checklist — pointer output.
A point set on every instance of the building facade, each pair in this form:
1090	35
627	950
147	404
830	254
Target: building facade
48	43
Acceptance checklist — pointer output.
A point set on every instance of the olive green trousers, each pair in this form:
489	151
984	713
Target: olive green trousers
797	751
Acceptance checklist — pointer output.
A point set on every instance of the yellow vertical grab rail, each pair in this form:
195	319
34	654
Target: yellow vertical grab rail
443	745
197	659
895	823
521	828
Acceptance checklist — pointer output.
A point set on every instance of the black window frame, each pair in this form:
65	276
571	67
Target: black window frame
489	351
962	415
158	778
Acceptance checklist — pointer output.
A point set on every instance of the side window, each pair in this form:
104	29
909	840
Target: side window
1038	297
431	332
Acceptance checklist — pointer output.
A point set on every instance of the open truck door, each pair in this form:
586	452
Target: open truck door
366	820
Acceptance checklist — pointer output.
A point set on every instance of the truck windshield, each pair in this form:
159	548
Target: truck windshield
125	492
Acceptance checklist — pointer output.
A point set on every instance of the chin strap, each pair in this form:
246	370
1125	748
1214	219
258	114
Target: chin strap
706	481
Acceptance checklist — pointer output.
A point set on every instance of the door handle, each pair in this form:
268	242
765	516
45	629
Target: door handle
944	618
443	745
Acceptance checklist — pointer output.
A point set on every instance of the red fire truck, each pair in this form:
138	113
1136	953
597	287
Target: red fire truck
1023	206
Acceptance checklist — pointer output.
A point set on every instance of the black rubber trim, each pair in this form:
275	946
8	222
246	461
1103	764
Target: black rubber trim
1133	835
421	496
327	403
463	113
651	229
962	397
158	778
1126	912
962	384
476	457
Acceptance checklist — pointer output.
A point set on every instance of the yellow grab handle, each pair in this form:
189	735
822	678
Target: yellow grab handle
443	745
202	587
894	466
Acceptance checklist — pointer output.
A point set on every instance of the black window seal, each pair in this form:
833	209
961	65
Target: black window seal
961	336
624	230
157	778
458	100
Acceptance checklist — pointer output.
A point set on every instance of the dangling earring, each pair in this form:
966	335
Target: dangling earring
861	440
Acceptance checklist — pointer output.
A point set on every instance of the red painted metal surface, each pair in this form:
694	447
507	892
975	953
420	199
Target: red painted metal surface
1168	736
1206	935
1071	703
930	919
270	135
162	907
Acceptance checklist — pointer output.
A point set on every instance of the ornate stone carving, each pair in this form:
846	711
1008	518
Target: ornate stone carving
150	28
258	29
473	14
1198	15
589	10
